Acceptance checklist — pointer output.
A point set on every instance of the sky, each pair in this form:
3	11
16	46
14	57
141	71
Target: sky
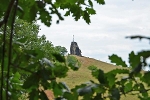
106	33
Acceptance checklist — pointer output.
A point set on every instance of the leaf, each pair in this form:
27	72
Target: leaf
68	96
67	13
144	54
90	11
47	62
59	57
86	17
117	60
146	79
45	17
119	71
111	79
101	76
90	3
33	95
16	78
60	70
115	94
31	81
98	74
101	2
57	88
128	86
87	89
134	60
43	96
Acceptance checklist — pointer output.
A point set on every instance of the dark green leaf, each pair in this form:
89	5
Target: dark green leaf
101	77
43	96
59	57
90	2
91	11
128	86
115	94
146	77
119	71
117	60
86	17
134	59
31	81
111	79
101	2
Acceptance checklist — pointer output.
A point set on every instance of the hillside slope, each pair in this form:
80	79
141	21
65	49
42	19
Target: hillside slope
84	74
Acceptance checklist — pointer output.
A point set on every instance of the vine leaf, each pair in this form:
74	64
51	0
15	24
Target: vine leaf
117	60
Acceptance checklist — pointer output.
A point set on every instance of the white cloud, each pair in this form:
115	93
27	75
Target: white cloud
106	34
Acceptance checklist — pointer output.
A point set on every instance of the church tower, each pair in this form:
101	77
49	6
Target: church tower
74	48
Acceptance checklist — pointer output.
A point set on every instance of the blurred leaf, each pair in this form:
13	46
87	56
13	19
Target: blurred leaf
33	95
100	1
16	78
128	86
31	81
117	60
43	96
134	60
101	77
111	79
115	94
59	57
146	79
86	17
60	70
87	89
144	54
90	2
47	62
119	71
90	10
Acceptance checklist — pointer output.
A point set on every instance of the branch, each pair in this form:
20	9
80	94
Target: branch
22	68
7	13
138	36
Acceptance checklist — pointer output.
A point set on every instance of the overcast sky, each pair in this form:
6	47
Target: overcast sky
106	34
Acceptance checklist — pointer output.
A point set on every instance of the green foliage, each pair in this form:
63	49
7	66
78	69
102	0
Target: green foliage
73	62
30	64
61	50
35	62
33	10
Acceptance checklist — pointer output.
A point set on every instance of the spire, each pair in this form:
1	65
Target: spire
73	38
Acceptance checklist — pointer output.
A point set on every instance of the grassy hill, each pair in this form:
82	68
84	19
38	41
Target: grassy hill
84	74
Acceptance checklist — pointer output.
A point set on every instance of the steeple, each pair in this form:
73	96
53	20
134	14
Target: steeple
74	48
73	38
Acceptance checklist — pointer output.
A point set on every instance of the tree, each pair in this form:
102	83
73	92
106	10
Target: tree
61	50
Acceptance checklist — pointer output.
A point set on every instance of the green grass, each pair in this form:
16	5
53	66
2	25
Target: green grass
84	74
